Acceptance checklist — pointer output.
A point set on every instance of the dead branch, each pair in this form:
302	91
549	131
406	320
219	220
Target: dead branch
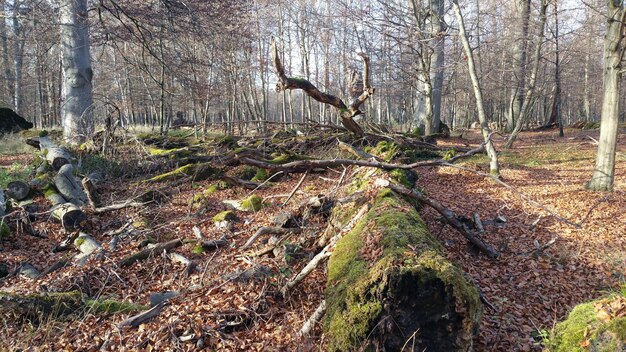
314	318
149	252
295	188
303	165
447	214
347	113
142	317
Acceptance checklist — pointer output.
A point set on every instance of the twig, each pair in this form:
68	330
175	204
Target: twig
295	188
314	318
265	230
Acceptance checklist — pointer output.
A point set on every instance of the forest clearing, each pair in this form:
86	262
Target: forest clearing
545	266
268	175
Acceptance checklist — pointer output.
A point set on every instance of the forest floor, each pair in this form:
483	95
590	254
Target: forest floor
529	287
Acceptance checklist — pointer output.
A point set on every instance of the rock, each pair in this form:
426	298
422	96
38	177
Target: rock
159	297
11	122
250	204
283	219
28	270
4	270
225	220
86	244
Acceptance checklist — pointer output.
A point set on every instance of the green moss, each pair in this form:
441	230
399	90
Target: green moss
449	154
5	231
252	203
198	171
226	215
197	249
214	188
404	177
175	152
386	150
356	287
112	306
260	176
583	327
78	241
247	173
49	191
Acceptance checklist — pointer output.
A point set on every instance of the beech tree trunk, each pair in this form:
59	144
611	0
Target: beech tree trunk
604	172
77	108
484	127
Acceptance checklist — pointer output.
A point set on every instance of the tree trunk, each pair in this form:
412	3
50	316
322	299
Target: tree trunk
438	27
522	12
77	108
377	297
491	151
604	172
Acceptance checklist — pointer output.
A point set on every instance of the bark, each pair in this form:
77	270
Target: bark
77	107
6	67
438	28
69	187
18	190
491	151
375	278
522	13
604	172
530	88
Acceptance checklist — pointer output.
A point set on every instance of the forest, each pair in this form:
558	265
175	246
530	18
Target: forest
336	175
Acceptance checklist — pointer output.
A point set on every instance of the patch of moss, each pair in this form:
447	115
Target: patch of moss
449	154
5	231
226	215
112	306
583	328
79	241
356	286
198	171
197	249
405	177
247	173
260	176
252	203
386	150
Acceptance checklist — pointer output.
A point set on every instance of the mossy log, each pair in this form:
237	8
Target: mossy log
198	172
598	325
58	305
388	283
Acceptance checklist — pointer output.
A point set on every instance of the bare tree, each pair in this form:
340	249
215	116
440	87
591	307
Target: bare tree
484	127
614	47
77	111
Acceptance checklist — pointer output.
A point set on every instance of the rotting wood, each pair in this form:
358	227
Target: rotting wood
149	252
18	190
92	193
304	165
447	214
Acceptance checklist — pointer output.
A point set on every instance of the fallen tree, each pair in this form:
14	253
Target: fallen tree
389	284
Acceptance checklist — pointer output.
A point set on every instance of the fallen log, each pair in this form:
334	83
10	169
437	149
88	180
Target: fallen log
36	308
149	252
68	186
387	278
18	190
448	215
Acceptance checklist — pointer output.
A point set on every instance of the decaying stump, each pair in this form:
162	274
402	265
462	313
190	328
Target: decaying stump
388	283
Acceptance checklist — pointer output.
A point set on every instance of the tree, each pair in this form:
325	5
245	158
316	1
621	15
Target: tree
604	172
484	127
77	109
522	14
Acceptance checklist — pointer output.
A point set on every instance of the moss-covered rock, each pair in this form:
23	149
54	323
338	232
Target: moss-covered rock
387	277
226	215
592	326
252	203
